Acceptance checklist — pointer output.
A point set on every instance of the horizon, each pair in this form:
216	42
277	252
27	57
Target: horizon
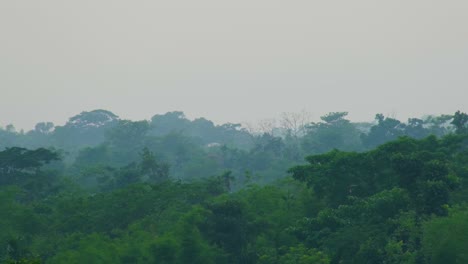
310	117
231	62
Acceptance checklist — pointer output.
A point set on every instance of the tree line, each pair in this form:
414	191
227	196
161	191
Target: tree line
104	190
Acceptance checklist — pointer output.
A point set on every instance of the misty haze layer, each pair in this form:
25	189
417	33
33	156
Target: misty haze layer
231	61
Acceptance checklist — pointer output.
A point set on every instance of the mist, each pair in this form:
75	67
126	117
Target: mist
233	132
231	62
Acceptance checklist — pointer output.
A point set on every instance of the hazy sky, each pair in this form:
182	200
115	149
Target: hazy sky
232	61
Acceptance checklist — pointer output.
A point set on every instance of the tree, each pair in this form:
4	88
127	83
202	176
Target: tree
297	255
127	134
193	248
334	132
415	128
336	175
10	138
227	178
169	122
460	121
385	130
16	164
126	140
44	127
156	171
228	227
295	123
94	248
445	240
354	233
439	125
335	117
85	129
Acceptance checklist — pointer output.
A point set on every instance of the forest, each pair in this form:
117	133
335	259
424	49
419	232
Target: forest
170	190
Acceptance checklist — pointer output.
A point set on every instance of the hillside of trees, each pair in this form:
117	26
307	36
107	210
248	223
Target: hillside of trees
101	189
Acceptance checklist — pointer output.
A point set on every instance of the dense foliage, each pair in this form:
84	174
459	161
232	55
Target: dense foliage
104	190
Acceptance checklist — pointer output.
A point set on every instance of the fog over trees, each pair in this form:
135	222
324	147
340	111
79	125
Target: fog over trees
233	132
101	189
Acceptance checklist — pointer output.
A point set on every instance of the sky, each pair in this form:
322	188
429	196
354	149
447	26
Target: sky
231	61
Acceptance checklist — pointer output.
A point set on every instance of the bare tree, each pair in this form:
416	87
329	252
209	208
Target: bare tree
250	127
295	123
267	126
264	126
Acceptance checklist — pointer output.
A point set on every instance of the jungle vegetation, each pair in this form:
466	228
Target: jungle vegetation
100	189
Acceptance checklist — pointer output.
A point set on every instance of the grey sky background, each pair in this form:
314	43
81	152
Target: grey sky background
231	61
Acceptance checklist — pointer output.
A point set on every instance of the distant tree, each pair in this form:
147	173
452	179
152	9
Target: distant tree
385	130
460	121
16	162
157	171
415	128
268	143
126	139
10	138
169	122
10	128
335	117
334	132
227	179
295	123
267	126
85	129
40	136
439	125
44	127
90	156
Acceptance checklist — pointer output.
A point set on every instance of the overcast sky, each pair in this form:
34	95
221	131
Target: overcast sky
233	61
